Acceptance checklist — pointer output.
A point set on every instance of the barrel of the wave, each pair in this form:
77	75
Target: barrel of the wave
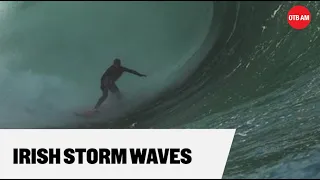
299	17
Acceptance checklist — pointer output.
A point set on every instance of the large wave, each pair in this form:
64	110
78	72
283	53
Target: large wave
54	53
210	65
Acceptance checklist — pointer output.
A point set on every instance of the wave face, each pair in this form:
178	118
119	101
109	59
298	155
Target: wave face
210	65
53	55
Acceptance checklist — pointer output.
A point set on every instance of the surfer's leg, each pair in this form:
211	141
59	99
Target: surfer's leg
102	98
114	89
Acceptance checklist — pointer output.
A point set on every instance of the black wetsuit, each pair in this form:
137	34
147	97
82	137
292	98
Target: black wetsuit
108	79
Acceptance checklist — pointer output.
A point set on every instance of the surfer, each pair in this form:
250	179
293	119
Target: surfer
108	79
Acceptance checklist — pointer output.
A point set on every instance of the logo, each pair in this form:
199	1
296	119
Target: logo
299	17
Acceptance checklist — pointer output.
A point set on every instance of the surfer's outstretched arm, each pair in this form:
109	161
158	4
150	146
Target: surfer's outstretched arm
133	72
